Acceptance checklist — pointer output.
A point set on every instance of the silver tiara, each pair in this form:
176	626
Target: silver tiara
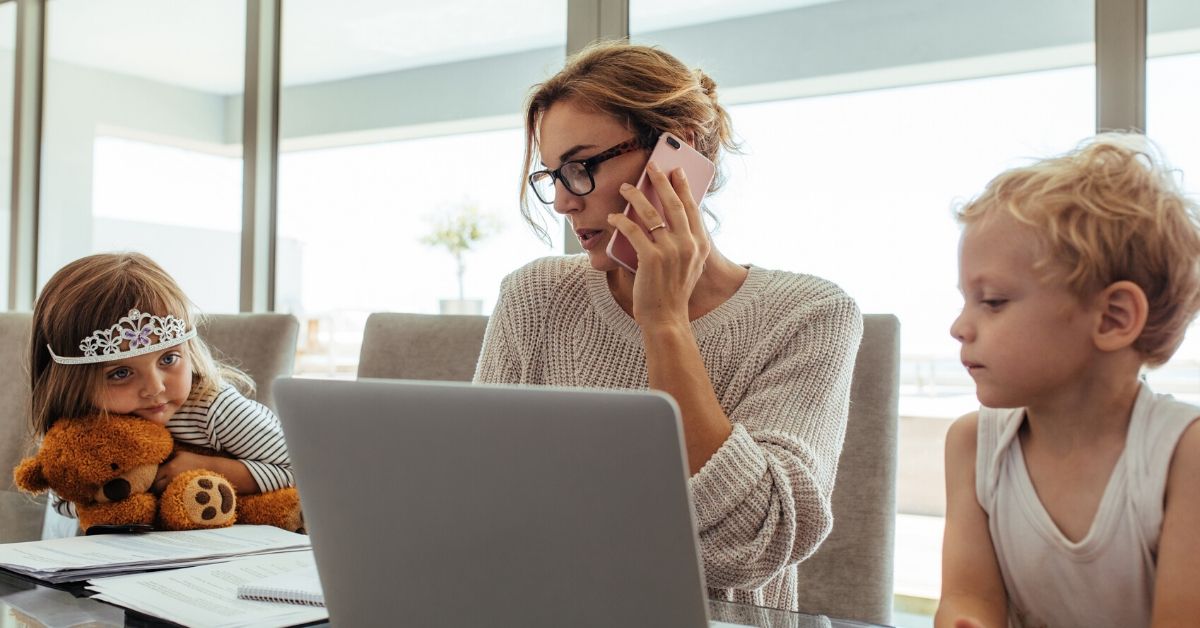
144	333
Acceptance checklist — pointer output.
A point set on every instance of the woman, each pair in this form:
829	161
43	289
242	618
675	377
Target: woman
759	361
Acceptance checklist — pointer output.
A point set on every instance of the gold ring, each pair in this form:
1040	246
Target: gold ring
661	225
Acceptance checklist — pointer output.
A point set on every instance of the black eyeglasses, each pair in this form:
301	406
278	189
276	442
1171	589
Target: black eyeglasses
576	175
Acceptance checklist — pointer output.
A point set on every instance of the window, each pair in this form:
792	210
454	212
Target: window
8	44
387	130
863	126
1172	100
181	207
141	140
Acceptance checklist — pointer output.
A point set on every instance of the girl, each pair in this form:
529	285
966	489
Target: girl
1078	504
114	334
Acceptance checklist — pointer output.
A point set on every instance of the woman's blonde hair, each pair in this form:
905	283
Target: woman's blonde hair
93	293
1109	211
647	90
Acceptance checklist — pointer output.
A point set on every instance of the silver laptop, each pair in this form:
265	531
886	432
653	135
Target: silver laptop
440	504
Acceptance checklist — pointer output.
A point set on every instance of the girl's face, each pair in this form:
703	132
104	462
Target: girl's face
152	386
569	133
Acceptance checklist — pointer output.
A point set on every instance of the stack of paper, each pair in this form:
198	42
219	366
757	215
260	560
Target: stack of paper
207	595
83	557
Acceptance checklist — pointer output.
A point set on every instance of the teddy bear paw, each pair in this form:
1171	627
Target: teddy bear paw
198	499
213	500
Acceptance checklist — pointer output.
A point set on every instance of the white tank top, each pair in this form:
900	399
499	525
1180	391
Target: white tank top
1107	578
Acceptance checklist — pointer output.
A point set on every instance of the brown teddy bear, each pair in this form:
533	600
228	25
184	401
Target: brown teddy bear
105	465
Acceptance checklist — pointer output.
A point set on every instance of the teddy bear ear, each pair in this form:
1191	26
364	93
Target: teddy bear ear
28	476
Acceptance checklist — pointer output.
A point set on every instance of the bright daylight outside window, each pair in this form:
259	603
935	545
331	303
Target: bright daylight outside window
1172	100
400	153
859	188
368	240
150	198
869	184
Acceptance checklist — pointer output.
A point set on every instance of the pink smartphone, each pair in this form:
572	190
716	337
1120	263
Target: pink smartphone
669	153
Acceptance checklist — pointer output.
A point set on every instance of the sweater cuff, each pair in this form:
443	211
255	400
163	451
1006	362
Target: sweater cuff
727	478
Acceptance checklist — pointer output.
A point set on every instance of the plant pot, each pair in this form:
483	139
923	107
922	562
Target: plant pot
460	306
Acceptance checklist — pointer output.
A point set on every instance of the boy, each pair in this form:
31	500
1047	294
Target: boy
1080	504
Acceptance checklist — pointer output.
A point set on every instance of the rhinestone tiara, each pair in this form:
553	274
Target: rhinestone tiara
141	333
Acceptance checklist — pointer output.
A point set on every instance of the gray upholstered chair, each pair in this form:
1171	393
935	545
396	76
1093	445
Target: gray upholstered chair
421	346
20	514
261	345
850	576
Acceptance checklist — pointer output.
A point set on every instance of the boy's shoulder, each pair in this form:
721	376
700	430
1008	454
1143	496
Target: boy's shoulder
963	434
1185	463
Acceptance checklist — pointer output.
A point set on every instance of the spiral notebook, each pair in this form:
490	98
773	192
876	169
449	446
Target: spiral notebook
294	587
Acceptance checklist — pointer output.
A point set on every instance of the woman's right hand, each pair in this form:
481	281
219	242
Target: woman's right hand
670	258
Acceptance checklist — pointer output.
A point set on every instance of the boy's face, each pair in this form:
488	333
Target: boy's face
151	386
1025	340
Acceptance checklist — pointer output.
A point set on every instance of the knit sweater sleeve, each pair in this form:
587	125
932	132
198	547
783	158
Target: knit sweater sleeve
518	322
763	499
498	359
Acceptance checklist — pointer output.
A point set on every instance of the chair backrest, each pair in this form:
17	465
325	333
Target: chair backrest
20	514
850	576
421	346
261	345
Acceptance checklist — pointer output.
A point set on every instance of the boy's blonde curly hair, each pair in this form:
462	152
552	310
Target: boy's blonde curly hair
1108	211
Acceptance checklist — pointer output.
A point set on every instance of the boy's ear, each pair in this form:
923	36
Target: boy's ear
1123	311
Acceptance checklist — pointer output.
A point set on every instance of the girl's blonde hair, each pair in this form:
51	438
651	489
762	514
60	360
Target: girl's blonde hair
93	293
1109	211
647	90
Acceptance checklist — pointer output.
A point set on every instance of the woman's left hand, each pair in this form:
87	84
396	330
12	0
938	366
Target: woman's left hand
671	258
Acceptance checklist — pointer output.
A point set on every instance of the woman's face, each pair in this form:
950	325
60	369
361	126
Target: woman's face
569	133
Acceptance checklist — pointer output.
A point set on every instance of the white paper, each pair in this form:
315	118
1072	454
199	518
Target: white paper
76	558
207	595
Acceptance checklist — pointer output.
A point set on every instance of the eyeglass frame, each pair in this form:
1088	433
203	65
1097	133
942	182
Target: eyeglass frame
588	164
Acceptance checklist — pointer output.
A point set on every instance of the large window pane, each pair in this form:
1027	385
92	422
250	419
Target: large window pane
8	44
141	142
387	130
1172	103
864	124
862	129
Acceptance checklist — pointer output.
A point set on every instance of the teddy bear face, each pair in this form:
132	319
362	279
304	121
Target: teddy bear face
100	458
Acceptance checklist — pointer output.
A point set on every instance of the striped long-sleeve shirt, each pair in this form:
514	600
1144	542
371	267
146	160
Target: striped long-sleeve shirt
245	429
227	421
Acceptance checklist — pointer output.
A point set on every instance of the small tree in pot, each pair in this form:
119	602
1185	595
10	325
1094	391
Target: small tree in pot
458	231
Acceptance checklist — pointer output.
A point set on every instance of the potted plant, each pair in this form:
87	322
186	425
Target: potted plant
458	231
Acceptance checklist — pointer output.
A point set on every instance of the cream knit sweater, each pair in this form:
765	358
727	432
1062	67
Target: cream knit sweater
779	353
